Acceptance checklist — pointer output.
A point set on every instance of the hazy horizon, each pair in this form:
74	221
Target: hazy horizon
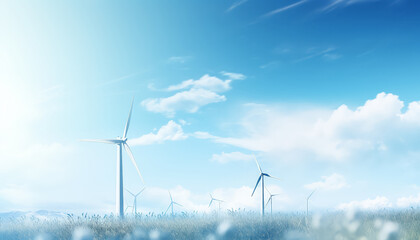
324	93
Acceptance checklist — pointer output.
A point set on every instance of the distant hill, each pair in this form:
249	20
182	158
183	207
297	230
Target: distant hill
41	214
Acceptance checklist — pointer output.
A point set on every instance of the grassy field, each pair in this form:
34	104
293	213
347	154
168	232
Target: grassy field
381	225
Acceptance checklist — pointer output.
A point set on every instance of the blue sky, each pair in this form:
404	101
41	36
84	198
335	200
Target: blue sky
324	93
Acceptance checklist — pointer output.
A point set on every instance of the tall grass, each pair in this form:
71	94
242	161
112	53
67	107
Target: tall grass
381	225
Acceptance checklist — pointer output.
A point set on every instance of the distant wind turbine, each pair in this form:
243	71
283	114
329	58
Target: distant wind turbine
307	203
261	178
216	200
120	142
127	208
270	199
135	199
171	205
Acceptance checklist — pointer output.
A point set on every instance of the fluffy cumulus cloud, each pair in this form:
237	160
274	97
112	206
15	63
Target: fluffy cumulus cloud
408	201
379	125
192	94
169	132
332	182
368	204
231	157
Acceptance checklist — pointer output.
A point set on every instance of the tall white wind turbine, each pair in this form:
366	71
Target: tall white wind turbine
171	205
261	178
120	141
135	199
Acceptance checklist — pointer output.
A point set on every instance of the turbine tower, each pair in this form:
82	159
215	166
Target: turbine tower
261	178
135	199
171	205
216	200
270	200
120	141
307	203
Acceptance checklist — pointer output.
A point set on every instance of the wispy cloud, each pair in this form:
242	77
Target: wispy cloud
332	182
189	101
325	53
282	9
233	76
207	82
236	4
194	95
179	59
334	4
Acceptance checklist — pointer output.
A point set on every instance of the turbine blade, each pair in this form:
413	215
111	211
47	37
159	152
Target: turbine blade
128	120
268	201
130	154
311	193
109	141
168	208
258	165
170	196
177	204
256	185
210	202
267	190
268	175
130	192
140	191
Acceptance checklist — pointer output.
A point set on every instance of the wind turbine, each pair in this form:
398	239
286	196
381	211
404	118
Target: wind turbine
135	199
171	205
216	200
270	200
307	203
127	208
261	178
120	141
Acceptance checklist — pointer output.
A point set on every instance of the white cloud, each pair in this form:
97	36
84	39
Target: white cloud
207	82
332	182
231	157
334	4
188	101
368	204
200	93
408	201
233	76
169	132
282	9
327	53
324	134
236	4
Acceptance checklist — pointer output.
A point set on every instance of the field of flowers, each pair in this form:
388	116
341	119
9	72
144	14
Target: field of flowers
381	225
